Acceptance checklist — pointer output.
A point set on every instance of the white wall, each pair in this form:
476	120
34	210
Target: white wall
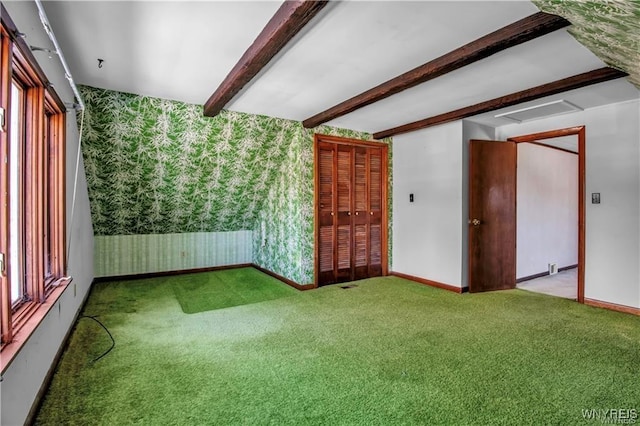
612	267
547	209
25	375
427	236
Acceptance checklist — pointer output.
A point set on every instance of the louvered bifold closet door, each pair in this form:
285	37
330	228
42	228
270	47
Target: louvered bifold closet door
351	196
344	190
360	219
376	199
327	176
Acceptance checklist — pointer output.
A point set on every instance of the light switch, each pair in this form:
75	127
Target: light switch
411	198
595	198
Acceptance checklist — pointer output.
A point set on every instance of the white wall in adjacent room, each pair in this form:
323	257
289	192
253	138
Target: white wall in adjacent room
547	209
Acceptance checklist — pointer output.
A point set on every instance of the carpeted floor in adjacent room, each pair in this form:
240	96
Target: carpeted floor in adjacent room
385	352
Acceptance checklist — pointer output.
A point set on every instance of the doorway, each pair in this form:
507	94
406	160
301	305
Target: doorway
350	209
492	210
580	133
547	217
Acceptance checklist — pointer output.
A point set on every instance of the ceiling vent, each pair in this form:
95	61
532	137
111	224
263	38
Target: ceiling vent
540	111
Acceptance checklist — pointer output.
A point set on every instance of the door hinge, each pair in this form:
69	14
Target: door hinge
1	264
2	119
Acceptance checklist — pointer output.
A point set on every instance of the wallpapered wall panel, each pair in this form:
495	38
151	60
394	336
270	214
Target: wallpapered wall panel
117	255
156	166
609	28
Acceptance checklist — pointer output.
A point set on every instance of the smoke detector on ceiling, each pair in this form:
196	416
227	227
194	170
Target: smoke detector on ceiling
540	111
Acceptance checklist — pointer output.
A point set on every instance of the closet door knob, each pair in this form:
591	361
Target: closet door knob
356	213
371	213
348	213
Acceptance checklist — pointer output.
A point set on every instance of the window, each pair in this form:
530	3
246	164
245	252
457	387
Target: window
32	183
15	241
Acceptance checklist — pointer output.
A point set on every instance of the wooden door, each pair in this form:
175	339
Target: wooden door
361	230
376	202
350	211
492	215
326	200
344	189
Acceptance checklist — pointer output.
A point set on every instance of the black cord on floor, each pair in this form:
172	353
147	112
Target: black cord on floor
113	342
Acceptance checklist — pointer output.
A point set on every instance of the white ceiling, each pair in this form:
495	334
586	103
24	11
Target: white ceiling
183	51
171	50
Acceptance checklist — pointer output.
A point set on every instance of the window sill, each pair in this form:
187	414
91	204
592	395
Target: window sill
28	319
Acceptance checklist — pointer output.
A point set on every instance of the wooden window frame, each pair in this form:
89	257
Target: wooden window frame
55	166
42	195
5	91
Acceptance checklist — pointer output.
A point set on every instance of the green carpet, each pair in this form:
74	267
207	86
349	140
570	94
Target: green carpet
227	288
386	352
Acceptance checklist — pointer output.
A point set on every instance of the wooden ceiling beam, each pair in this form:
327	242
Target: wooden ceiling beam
290	18
558	86
521	31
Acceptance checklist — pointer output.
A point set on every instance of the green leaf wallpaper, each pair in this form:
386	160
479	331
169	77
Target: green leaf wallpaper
609	28
156	166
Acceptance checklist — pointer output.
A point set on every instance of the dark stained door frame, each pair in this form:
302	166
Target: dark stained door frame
322	215
580	132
